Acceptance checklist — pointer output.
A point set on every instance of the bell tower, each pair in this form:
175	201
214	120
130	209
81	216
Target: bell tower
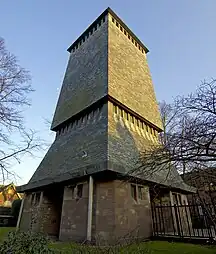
105	115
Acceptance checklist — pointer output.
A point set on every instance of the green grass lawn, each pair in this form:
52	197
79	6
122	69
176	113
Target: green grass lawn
152	247
4	232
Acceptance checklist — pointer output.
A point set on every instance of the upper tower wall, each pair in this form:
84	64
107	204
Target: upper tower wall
85	80
107	59
129	78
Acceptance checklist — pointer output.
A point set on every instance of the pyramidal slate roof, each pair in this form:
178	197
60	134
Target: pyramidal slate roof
107	78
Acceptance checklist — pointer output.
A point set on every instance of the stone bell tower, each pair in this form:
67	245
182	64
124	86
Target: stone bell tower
105	115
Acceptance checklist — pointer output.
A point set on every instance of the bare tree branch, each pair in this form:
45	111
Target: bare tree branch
15	88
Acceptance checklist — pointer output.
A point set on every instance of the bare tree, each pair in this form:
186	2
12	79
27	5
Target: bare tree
188	141
15	87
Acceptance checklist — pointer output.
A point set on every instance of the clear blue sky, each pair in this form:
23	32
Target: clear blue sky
181	37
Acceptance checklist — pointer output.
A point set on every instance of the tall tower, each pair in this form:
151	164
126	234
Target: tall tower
107	105
105	115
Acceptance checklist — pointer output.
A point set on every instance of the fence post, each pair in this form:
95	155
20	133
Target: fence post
177	220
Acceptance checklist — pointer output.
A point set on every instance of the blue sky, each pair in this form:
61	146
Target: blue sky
180	35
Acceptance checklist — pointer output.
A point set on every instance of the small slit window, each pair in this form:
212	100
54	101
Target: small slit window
115	109
79	190
113	20
37	198
121	28
133	192
117	24
140	192
125	32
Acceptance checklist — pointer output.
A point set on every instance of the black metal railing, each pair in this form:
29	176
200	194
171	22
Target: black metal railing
185	221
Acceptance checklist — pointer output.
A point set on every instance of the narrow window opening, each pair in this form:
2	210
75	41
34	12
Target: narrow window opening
113	20
115	109
73	192
37	198
150	130
79	190
125	32
141	192
117	24
32	198
121	28
133	192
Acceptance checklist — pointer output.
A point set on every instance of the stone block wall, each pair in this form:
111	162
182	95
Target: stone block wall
132	216
117	216
127	138
25	220
103	224
42	214
86	76
74	215
82	143
129	79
